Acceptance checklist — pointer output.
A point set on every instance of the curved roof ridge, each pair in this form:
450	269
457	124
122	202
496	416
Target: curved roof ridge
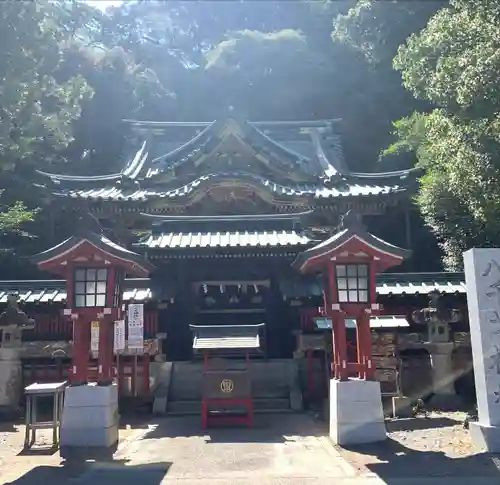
188	144
80	178
298	124
329	170
135	167
130	170
278	145
200	124
378	175
227	218
194	124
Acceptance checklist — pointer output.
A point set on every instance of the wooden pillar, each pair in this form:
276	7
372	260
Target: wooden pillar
105	358
361	357
341	336
145	374
367	347
81	349
338	324
310	374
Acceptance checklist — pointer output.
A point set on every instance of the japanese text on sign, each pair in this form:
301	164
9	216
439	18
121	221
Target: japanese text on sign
136	326
119	336
94	337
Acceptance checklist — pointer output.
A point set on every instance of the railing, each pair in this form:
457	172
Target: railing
54	326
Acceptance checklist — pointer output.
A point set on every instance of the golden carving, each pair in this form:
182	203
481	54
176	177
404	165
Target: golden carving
226	386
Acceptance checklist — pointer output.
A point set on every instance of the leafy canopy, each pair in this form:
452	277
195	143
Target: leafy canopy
455	64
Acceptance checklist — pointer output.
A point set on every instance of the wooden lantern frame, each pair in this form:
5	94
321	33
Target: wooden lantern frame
352	245
93	251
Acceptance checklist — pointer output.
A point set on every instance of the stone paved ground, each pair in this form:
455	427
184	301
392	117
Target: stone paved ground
437	446
14	464
281	450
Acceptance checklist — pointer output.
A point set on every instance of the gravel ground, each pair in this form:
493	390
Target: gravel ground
14	463
424	447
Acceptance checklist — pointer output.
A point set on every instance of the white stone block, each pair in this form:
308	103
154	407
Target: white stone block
90	416
356	414
91	395
485	436
482	275
89	437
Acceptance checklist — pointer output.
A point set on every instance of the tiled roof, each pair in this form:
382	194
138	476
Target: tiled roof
387	284
422	283
225	239
311	149
47	291
141	289
226	337
383	321
307	190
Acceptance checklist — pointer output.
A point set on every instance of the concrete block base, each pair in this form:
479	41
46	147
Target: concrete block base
484	436
90	418
401	407
356	414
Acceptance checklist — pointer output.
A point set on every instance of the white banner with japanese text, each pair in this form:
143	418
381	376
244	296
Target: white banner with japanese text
94	337
119	336
136	326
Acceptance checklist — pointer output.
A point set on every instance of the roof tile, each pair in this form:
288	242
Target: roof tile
225	239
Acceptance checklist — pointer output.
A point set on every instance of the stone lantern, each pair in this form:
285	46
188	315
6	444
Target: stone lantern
94	268
13	322
350	261
437	318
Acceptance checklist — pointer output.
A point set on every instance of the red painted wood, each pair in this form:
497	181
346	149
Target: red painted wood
207	419
310	374
145	374
361	356
105	359
81	349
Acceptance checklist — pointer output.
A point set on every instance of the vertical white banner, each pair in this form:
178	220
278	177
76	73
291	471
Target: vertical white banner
94	337
136	327
119	339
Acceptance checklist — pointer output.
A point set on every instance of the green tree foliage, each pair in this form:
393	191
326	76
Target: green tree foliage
37	104
454	63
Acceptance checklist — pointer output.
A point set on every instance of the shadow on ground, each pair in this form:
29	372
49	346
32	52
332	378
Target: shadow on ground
99	473
412	424
399	462
39	451
272	428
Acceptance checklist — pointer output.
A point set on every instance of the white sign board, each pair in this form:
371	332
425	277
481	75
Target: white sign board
94	337
136	327
482	275
119	336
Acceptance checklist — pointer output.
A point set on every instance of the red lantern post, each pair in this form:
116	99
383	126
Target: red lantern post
350	261
94	269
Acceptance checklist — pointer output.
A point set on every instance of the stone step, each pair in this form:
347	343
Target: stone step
185	408
269	380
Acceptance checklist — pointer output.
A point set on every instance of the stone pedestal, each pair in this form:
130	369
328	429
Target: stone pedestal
443	377
10	380
482	274
356	414
90	419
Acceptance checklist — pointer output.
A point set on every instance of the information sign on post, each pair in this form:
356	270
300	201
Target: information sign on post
119	336
136	327
94	338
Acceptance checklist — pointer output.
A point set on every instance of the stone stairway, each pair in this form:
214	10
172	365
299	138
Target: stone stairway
274	387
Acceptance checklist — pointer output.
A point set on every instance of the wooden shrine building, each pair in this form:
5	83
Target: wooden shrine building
222	209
